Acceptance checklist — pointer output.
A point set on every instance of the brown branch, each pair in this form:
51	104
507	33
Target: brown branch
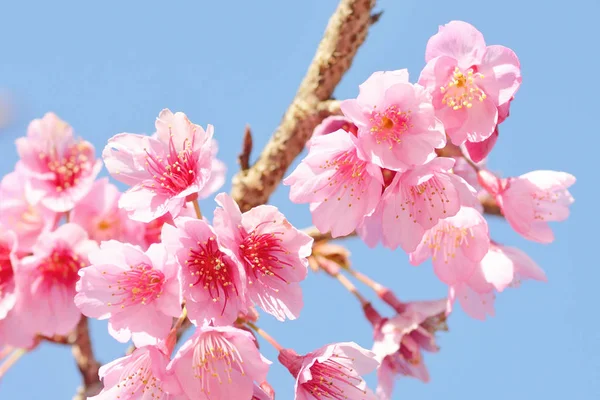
244	157
86	362
490	206
345	32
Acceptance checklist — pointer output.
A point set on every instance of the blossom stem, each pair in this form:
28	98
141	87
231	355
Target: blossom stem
265	336
383	292
351	288
68	216
365	279
11	360
197	208
181	319
6	350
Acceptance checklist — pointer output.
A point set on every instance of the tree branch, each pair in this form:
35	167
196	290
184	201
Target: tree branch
86	362
345	32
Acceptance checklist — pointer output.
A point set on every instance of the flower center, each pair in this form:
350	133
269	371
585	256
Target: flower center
137	378
389	125
330	379
446	238
420	200
175	173
141	284
207	265
349	176
462	90
69	165
6	269
262	255
61	266
214	358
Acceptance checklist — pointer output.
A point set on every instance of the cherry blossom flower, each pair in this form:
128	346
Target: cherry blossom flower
331	372
397	127
456	244
212	279
219	363
46	281
501	267
217	175
332	124
273	252
418	198
264	391
340	187
8	263
164	170
138	292
532	200
26	219
399	341
99	214
60	169
470	82
141	375
152	231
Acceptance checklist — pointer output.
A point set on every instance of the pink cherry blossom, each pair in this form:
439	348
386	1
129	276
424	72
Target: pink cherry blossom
142	375
399	341
138	292
60	169
217	175
273	252
46	280
418	198
264	391
341	188
213	281
99	214
532	200
331	372
164	170
397	127
8	264
456	244
469	81
26	219
501	267
332	124
152	231
219	363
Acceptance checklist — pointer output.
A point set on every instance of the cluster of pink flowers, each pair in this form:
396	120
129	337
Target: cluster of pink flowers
74	246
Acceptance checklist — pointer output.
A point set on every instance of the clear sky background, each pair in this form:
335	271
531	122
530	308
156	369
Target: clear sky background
109	67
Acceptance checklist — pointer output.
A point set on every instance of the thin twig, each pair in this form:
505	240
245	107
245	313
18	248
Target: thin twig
86	362
244	157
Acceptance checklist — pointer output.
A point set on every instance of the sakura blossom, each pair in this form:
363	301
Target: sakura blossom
471	83
27	220
141	375
532	200
164	170
219	363
332	124
331	372
340	187
60	168
8	264
46	281
397	127
273	252
213	281
138	292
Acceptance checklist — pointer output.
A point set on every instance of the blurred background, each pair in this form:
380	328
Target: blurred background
110	67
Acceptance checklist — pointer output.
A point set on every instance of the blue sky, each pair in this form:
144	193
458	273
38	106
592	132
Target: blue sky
109	67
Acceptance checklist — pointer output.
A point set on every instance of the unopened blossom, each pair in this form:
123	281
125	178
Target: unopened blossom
332	124
60	168
397	127
46	280
164	170
417	199
331	372
138	292
501	267
456	244
8	264
273	253
470	82
400	340
142	375
532	200
18	214
340	187
213	281
99	214
219	363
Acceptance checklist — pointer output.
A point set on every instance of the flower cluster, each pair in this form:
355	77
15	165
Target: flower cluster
403	166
